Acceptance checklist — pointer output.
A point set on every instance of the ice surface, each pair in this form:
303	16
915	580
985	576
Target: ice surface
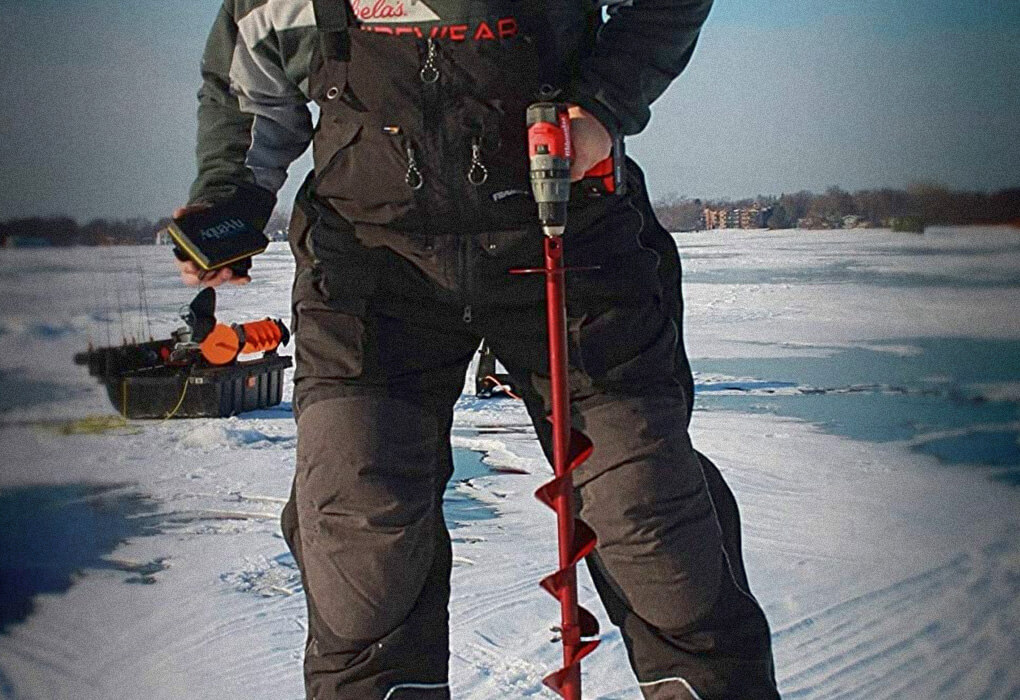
884	571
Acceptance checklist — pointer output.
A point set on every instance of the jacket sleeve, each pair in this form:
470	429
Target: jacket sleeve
642	47
253	117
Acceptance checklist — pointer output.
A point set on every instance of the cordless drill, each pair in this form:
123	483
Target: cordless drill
549	152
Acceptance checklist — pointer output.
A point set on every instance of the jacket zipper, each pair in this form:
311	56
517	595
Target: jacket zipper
464	270
677	336
476	176
430	76
431	146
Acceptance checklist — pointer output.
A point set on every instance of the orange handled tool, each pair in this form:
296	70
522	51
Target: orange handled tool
225	343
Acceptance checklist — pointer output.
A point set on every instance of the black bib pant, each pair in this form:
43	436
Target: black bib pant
402	268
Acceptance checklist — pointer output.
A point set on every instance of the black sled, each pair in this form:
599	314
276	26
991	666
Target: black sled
196	372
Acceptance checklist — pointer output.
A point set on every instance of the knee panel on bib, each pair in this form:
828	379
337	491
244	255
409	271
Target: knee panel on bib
367	508
644	494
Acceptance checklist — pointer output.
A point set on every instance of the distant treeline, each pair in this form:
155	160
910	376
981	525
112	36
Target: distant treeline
65	231
834	208
933	204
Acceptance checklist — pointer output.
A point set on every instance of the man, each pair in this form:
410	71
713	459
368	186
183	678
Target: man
403	235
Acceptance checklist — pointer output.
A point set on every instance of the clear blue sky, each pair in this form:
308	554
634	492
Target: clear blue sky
97	116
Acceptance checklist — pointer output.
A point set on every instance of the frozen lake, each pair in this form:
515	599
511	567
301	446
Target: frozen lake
955	398
860	390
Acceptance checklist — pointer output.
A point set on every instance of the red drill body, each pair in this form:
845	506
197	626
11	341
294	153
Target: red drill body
549	153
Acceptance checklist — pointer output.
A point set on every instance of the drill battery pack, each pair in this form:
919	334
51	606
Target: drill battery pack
608	176
217	237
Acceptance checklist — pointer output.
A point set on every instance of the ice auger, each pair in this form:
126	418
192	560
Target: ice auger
549	159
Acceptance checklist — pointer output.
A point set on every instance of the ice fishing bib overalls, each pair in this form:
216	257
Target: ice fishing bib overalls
418	207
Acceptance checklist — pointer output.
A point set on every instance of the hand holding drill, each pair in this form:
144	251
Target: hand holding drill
591	141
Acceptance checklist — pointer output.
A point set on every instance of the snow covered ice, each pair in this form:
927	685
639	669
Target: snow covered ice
859	390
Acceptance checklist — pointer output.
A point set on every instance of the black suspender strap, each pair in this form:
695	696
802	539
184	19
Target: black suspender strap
333	19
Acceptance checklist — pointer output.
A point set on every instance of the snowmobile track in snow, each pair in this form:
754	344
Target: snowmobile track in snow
879	644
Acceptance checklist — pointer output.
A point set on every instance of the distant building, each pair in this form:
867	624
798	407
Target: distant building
163	237
740	217
813	222
713	218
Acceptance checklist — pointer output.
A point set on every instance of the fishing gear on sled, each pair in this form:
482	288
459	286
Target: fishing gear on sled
491	378
198	371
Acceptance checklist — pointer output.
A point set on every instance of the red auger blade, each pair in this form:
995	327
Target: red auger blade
548	491
588	623
557	680
580	449
578	623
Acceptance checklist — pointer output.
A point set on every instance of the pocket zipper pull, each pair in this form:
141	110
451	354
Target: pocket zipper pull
413	177
477	174
429	73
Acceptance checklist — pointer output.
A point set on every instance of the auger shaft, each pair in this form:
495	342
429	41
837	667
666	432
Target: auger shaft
563	502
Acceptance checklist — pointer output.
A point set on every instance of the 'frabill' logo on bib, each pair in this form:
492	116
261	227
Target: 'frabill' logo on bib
393	11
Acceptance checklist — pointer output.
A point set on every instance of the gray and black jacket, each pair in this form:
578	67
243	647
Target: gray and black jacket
254	119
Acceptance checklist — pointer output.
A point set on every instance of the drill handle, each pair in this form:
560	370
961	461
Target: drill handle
607	176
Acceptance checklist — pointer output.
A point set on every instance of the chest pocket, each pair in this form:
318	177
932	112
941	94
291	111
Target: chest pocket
504	79
366	152
424	126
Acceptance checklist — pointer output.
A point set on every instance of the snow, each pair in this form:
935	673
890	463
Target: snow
884	572
997	391
800	290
